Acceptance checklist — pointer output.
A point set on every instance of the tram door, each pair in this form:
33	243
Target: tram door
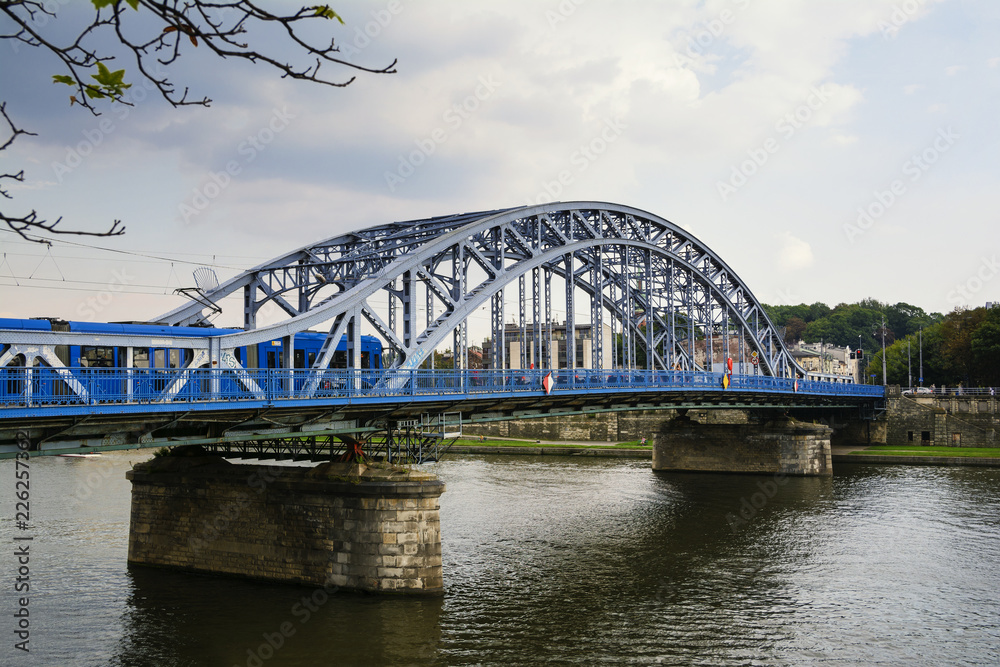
273	355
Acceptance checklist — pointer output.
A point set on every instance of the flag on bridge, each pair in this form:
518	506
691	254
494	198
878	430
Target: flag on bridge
547	383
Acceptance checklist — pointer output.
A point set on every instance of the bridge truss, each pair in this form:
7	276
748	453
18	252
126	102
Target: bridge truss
653	295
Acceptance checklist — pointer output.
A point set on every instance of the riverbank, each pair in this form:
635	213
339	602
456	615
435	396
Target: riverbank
632	449
919	455
878	454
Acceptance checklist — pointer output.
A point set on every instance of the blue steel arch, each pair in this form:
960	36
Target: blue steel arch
664	289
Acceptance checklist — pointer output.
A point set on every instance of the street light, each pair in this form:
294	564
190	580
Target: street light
909	366
921	339
883	350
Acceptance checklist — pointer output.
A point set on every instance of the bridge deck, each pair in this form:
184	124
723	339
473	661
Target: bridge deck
38	392
150	408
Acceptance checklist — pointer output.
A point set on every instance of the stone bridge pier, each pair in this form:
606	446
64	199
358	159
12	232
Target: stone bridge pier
779	446
339	526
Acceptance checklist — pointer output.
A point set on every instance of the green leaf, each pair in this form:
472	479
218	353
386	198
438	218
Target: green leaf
101	4
112	83
94	93
324	11
63	78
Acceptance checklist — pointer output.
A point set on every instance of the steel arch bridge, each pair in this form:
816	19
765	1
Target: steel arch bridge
657	297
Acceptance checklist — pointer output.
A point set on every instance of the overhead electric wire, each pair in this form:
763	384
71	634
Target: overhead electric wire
137	254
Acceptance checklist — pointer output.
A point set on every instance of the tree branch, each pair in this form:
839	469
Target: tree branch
223	27
27	225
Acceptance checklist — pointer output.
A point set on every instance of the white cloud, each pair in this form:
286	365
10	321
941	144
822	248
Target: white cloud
794	253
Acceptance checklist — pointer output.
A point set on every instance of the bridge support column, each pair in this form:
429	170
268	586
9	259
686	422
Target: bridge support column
774	447
340	526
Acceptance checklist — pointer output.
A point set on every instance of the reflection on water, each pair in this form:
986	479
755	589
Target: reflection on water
240	623
567	560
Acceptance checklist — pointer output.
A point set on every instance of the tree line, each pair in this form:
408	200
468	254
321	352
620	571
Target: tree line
960	347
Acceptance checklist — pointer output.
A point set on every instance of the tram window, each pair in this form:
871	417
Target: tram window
175	359
97	357
272	359
339	360
312	359
300	358
159	358
140	357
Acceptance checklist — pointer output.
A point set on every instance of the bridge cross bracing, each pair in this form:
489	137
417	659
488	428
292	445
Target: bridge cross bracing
666	299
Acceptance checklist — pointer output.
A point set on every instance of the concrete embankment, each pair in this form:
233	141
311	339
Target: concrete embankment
550	450
882	459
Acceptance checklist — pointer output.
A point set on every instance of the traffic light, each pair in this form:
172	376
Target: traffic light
854	355
861	354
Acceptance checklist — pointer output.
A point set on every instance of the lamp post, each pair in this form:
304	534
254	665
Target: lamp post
921	338
909	366
883	350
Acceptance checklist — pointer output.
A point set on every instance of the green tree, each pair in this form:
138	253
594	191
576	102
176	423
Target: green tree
794	328
985	346
957	332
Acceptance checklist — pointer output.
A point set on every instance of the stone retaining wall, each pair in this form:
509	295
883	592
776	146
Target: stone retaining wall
597	427
942	421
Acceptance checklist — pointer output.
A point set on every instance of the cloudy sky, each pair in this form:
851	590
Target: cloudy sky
828	151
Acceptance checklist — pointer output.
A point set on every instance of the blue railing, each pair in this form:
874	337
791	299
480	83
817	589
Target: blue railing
43	386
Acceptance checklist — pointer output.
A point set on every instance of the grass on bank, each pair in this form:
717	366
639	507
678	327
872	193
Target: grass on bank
476	442
917	450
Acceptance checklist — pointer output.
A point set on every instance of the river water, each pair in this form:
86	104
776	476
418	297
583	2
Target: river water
557	560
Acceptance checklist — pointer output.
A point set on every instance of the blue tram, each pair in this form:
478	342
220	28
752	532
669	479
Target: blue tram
307	346
100	366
